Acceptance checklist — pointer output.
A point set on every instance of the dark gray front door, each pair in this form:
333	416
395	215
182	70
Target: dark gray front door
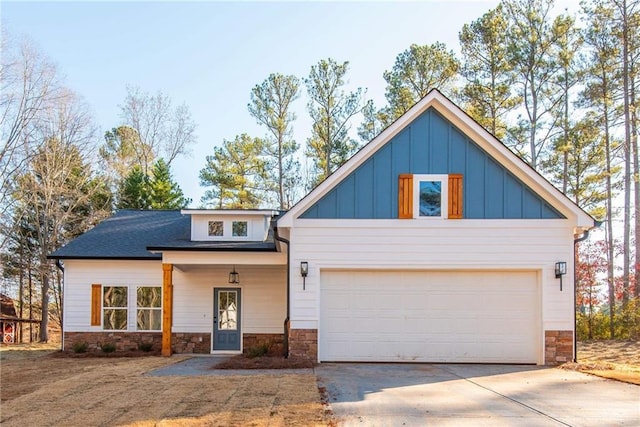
226	319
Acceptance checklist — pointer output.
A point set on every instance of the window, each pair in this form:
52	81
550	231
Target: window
116	301
430	196
149	308
114	307
216	228
239	229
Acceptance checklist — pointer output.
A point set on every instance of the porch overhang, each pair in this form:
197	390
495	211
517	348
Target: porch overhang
217	258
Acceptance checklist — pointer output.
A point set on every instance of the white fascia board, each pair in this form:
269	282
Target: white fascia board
230	212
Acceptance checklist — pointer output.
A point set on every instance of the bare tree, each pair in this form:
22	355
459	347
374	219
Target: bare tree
29	85
58	193
162	131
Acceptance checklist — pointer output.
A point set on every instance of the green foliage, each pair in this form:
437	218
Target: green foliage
164	192
108	347
331	110
237	173
145	346
416	71
626	322
158	191
258	351
79	347
270	106
488	95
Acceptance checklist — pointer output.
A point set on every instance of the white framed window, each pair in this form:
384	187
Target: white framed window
215	228
115	308
239	229
149	308
143	302
430	196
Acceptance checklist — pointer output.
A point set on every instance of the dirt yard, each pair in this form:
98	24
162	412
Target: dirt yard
37	389
618	360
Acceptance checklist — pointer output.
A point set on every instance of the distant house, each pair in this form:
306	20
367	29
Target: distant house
433	243
10	323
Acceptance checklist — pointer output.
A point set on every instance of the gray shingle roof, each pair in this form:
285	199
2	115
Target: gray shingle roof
129	234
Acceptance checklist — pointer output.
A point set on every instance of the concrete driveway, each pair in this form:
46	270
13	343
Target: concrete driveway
477	395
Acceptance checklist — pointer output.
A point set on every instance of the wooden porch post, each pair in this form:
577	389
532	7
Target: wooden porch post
167	307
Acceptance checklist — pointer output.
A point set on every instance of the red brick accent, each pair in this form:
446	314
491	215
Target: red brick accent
274	341
124	341
303	343
558	347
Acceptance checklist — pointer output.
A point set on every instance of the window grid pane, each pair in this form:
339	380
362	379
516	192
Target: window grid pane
216	228
430	198
239	228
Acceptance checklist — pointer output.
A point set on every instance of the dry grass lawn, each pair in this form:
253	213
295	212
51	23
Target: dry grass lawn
618	360
40	390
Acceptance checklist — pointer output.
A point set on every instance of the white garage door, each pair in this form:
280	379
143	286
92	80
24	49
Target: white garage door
448	316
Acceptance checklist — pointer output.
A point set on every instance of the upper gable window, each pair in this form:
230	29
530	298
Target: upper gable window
239	229
216	228
430	196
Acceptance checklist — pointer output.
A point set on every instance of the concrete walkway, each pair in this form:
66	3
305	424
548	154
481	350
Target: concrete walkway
203	365
475	395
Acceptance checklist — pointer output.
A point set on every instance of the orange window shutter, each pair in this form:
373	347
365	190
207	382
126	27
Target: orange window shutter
455	196
96	305
405	196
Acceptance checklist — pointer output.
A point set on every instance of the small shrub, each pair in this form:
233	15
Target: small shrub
145	346
108	347
79	347
257	351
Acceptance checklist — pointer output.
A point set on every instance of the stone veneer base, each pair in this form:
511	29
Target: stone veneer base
181	342
558	347
303	343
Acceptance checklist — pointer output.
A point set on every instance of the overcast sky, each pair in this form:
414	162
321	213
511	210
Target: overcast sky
209	55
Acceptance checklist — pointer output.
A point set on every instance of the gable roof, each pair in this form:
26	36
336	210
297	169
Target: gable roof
141	234
487	142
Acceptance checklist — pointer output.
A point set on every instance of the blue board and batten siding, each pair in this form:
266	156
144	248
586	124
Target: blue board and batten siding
431	145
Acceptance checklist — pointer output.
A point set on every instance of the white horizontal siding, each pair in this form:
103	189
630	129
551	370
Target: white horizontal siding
79	275
263	293
433	245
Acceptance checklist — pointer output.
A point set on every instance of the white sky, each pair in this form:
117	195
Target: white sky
210	54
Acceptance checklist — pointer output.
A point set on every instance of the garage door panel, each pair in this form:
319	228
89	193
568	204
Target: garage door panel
429	316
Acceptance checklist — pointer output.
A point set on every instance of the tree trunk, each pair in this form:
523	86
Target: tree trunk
626	259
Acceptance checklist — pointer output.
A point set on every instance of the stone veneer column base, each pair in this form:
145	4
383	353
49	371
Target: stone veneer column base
558	347
303	343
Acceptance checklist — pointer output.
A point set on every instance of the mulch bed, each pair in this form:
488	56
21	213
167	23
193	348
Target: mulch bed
94	354
242	361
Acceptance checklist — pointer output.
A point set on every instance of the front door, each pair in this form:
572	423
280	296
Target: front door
226	319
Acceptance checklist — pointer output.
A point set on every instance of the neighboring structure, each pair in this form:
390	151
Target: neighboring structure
10	323
433	243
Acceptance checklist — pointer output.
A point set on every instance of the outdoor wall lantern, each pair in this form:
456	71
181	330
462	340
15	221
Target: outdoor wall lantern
561	270
234	276
304	272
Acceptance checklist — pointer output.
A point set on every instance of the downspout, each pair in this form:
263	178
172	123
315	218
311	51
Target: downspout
61	268
584	236
286	320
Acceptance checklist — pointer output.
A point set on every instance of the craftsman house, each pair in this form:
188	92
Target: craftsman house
433	243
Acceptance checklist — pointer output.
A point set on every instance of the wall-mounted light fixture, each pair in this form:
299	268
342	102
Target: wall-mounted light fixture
304	272
234	276
561	270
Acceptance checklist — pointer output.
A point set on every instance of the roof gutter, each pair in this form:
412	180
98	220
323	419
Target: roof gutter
585	236
286	320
